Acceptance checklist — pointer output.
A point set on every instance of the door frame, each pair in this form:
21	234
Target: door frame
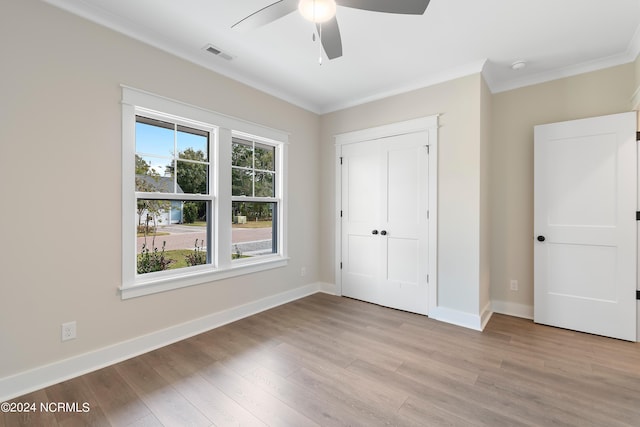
428	124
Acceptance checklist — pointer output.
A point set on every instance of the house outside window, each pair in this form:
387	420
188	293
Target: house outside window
203	195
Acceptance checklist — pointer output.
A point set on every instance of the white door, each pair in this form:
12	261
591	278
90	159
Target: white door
385	221
584	227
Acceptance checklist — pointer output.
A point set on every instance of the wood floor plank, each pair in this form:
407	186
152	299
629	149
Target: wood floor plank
458	404
617	377
351	397
74	394
117	399
298	338
169	406
261	404
327	360
323	408
182	371
34	416
148	421
589	398
347	345
562	407
424	413
481	406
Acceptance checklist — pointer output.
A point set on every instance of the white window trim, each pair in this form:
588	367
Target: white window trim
278	186
134	102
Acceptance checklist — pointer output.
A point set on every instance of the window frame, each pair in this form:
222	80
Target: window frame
223	130
277	183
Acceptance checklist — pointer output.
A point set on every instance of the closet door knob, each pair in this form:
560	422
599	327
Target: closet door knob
541	239
383	232
374	232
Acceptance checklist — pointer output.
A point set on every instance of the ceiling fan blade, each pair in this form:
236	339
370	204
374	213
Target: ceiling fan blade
266	14
330	37
406	7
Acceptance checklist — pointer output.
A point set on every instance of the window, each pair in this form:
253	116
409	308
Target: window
203	195
173	204
254	201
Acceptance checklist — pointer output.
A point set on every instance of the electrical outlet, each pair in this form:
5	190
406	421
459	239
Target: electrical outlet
303	271
68	331
514	285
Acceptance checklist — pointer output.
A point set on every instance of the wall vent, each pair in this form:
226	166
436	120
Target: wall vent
215	51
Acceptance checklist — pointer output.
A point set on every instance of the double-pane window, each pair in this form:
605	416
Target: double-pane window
255	205
173	205
203	195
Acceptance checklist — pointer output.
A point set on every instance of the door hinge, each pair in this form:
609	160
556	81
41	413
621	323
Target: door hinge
340	214
427	214
638	295
427	149
340	265
638	136
637	215
340	160
427	278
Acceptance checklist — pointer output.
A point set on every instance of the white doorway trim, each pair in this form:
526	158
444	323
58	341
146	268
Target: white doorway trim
428	124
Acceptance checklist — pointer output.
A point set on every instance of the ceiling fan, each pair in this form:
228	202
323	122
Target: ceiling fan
323	14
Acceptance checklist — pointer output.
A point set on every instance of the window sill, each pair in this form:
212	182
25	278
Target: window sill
147	287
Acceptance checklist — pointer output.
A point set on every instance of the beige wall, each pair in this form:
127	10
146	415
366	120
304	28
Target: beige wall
60	221
458	103
486	102
514	114
637	64
635	101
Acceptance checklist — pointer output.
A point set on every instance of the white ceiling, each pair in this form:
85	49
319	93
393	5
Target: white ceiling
384	54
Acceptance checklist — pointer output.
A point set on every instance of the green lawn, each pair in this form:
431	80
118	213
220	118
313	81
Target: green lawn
179	257
254	224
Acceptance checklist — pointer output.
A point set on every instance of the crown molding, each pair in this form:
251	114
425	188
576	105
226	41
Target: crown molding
560	73
433	79
629	55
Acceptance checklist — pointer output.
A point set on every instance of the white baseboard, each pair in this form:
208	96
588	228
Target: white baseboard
512	309
44	376
327	288
638	321
485	316
455	317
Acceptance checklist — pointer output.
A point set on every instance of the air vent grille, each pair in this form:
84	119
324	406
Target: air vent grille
218	52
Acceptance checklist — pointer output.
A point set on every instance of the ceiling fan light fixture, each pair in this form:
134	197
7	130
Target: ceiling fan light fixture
317	11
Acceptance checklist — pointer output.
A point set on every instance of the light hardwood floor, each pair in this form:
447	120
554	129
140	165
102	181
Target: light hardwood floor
325	360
